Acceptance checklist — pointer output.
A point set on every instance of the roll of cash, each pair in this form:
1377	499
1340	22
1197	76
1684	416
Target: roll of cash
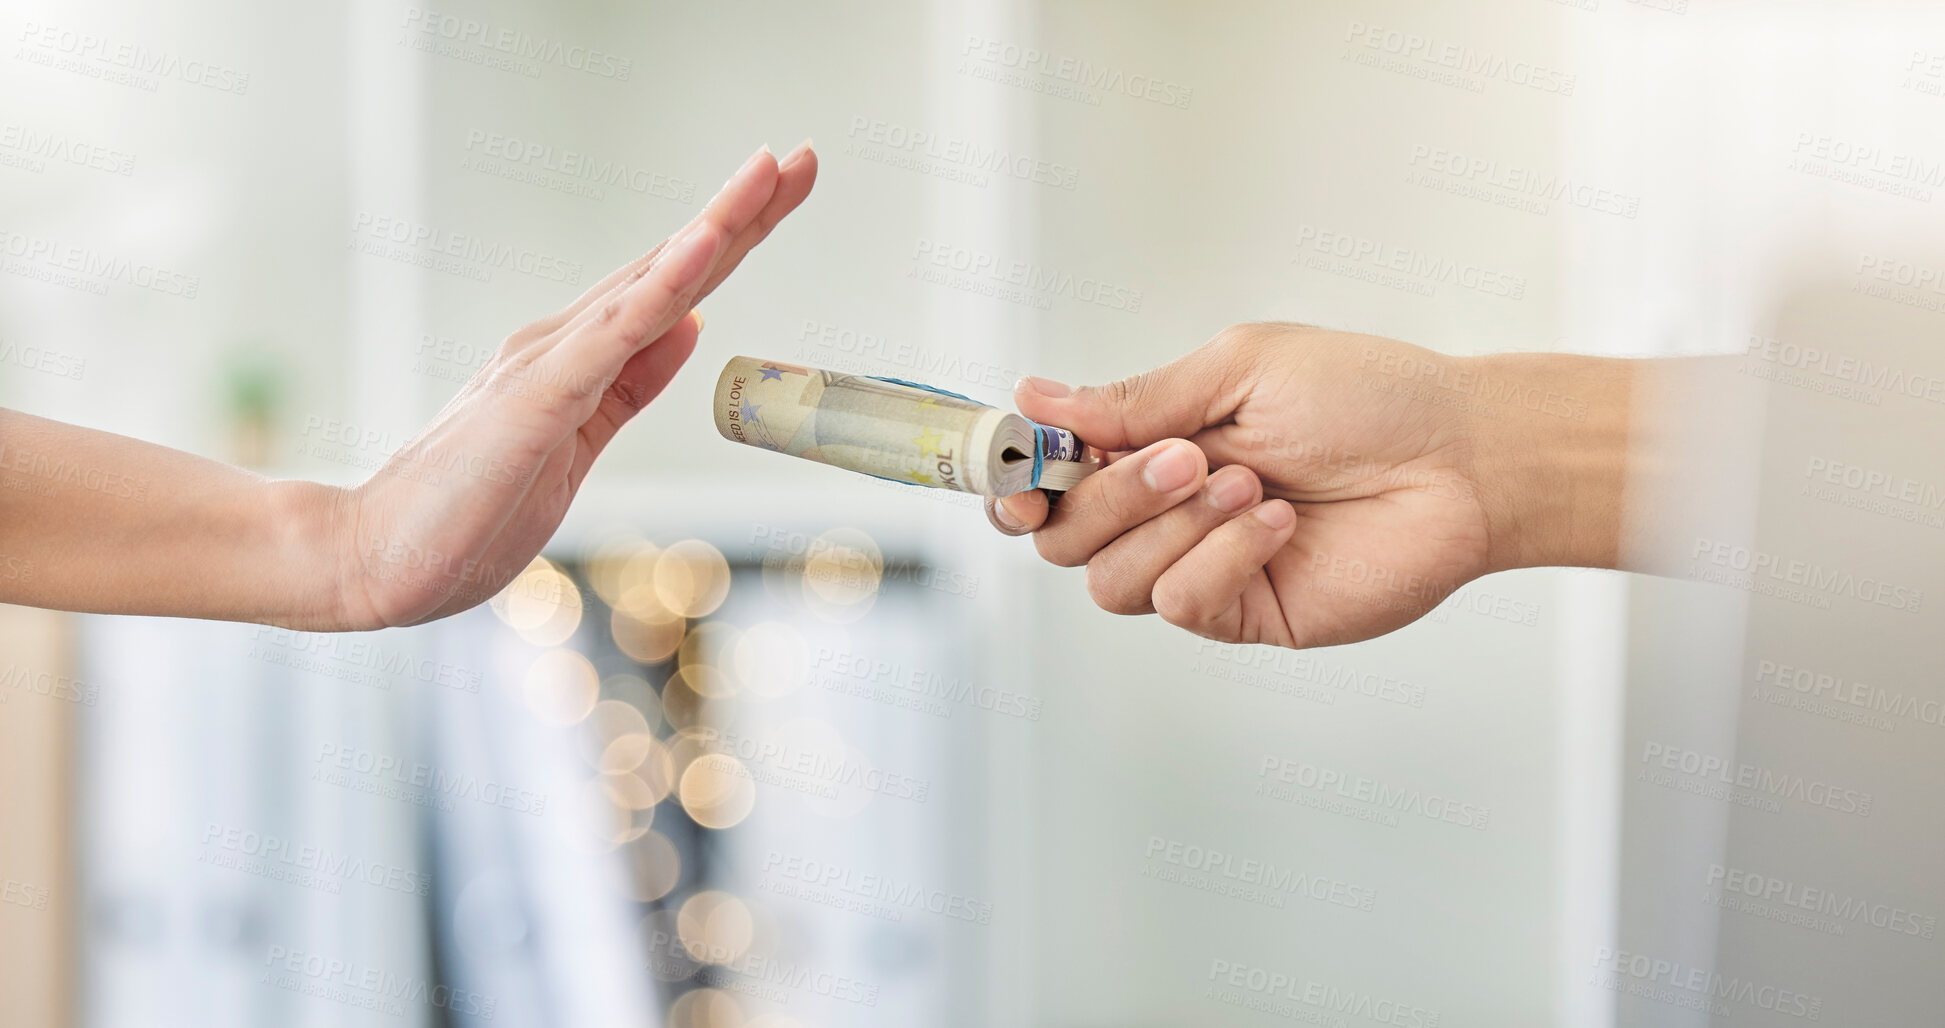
893	429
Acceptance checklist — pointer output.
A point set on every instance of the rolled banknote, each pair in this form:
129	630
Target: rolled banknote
893	429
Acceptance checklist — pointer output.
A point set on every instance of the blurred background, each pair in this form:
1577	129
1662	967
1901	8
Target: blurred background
760	743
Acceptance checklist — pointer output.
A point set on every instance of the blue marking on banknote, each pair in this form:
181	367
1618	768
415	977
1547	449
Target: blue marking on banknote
1050	443
927	388
1058	443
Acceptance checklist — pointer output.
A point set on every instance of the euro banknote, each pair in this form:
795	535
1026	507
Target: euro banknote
892	429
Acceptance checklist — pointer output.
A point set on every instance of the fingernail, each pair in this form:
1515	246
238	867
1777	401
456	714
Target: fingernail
700	321
1276	515
795	155
1006	516
1230	493
1044	386
1170	469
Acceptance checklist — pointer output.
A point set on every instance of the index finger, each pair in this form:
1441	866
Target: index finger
607	335
796	173
647	302
742	200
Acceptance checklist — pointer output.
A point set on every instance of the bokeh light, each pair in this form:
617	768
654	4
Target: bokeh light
561	687
629	791
691	578
705	1008
610	722
542	604
606	567
635	691
711	643
656	774
697	696
717	791
842	572
653	867
716	927
625	753
612	811
844	566
688	744
650	642
627	581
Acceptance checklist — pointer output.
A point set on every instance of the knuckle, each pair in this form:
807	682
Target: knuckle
526	342
1109	505
609	312
1178	606
1111	590
1055	549
629	319
1235	335
1122	392
1243	338
497	362
509	370
631	397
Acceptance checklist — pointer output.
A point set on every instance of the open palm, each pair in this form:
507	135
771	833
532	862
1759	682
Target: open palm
459	511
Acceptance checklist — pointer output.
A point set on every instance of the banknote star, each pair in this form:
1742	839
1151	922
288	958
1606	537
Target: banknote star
750	409
921	478
928	442
771	371
928	401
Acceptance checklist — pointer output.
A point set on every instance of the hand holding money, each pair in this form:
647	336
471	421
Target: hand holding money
900	431
1344	497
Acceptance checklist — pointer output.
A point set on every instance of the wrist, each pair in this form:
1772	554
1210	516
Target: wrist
1551	444
308	536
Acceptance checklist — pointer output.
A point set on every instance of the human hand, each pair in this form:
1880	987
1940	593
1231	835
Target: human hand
463	507
1358	481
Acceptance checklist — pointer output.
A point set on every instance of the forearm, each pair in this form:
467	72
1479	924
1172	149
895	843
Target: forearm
1552	448
1609	463
107	524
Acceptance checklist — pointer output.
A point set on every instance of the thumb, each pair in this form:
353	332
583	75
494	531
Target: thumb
1178	399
